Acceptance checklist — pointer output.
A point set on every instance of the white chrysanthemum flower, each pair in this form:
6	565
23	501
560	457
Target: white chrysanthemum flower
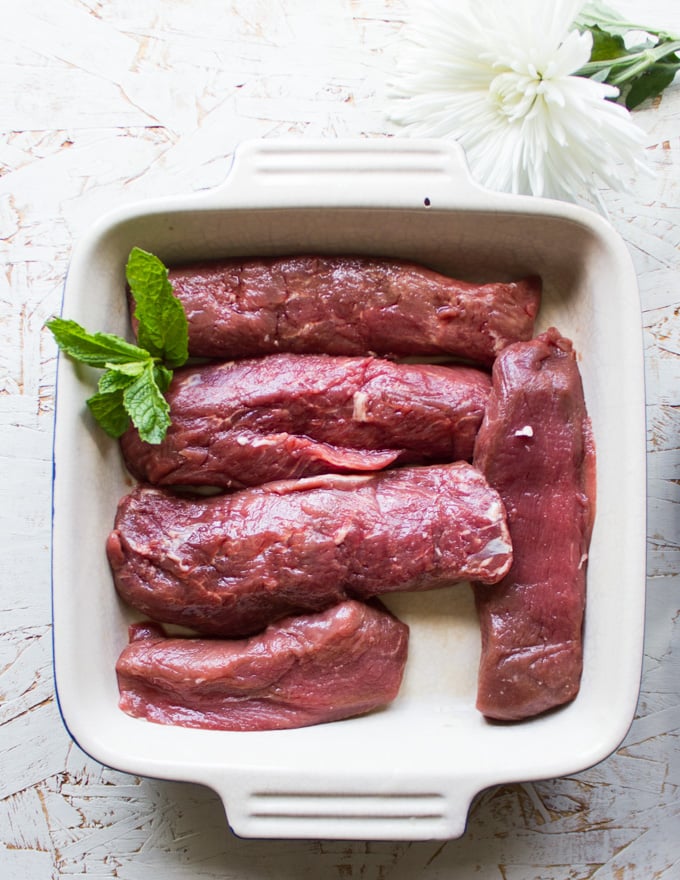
498	76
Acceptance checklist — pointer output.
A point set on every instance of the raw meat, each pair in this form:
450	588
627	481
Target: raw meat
302	670
535	447
230	564
348	306
254	421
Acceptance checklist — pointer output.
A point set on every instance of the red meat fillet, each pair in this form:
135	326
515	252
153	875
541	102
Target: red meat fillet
304	670
231	564
249	422
348	306
535	447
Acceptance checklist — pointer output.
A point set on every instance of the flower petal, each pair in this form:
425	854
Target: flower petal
499	78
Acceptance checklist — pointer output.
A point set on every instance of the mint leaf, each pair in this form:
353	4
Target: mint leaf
162	325
133	392
135	377
146	406
94	349
163	377
118	379
109	412
135	368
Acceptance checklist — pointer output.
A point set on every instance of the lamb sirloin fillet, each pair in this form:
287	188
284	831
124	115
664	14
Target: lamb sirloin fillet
535	447
303	670
254	421
231	564
347	305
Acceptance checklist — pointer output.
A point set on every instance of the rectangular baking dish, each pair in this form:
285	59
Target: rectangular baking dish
410	771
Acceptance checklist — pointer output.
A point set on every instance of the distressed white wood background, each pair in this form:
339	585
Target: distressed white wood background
106	101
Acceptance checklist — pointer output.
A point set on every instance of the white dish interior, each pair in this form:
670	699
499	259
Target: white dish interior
411	770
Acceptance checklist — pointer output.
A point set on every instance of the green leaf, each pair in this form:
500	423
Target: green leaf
606	18
601	75
162	325
163	377
109	411
95	349
651	83
605	45
116	379
132	369
134	380
146	406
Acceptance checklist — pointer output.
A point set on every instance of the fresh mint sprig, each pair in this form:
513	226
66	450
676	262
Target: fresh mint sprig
640	71
162	324
136	376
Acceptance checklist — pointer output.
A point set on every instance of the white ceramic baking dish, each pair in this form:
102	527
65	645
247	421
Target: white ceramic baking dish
410	771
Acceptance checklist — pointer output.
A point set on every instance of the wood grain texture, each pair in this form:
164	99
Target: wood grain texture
104	103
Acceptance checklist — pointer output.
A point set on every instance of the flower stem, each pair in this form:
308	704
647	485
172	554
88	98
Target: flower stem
630	66
648	58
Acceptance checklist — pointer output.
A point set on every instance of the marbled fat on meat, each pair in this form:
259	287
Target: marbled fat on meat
283	416
231	564
304	670
348	306
535	447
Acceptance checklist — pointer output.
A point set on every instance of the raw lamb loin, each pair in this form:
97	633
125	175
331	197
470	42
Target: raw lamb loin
535	447
249	422
231	564
303	670
348	306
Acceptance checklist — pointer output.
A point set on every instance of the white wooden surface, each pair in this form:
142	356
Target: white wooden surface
106	101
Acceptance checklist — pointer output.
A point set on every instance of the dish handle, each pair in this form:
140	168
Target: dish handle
397	172
345	807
